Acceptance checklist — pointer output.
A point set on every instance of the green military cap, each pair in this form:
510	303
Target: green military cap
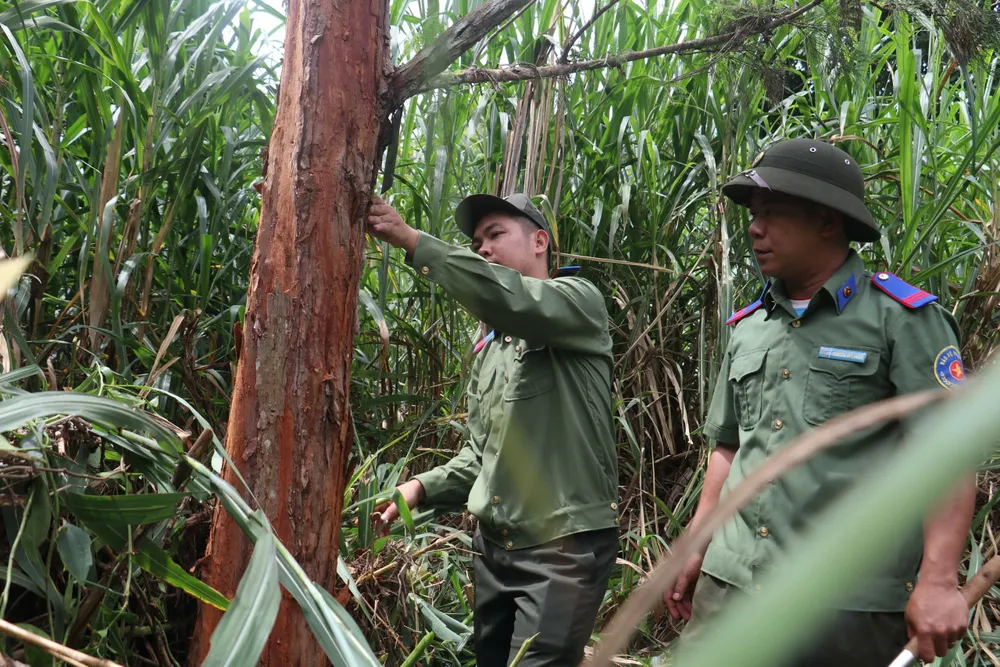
813	170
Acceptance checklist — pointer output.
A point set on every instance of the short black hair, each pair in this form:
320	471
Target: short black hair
530	226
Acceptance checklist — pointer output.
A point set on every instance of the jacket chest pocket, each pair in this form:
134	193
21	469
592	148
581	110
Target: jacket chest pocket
531	373
840	381
746	373
480	398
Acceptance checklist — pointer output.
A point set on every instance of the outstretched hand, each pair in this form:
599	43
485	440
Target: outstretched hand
678	597
385	224
383	516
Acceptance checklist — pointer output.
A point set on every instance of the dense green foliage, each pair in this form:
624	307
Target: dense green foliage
139	128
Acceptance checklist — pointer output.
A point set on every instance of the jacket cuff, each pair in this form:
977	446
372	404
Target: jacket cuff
429	256
435	485
726	436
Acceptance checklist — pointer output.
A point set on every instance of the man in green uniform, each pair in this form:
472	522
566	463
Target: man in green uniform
539	469
826	337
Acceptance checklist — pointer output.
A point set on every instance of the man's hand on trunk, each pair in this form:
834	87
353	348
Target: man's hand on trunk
385	224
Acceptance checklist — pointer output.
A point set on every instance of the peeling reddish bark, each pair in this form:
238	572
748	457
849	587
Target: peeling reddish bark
289	426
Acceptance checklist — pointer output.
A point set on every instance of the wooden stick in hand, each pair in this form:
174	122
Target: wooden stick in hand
973	591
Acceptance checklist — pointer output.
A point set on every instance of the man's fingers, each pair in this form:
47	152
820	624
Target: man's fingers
925	647
676	599
390	513
668	598
383	521
941	644
672	606
679	608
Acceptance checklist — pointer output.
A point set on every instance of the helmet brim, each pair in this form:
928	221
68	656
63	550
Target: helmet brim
474	208
858	222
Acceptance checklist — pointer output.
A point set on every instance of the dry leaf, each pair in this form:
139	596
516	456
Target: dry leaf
10	272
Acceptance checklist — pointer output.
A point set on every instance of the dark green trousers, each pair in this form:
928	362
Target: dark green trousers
855	638
553	590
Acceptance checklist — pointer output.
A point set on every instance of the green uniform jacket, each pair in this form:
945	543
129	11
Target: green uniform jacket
783	375
540	460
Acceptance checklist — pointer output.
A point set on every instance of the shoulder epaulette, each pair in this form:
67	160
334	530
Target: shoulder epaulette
902	291
482	343
564	271
743	312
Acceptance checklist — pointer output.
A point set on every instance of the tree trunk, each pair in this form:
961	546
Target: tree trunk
289	427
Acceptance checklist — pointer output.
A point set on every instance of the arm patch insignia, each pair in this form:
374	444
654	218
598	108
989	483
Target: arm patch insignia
948	368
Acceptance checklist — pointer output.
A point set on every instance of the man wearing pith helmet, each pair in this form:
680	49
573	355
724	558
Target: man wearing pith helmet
825	337
538	469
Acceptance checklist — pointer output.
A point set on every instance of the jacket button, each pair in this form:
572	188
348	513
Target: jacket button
796	324
507	339
909	587
424	270
883	276
614	506
518	349
785	373
778	424
496	500
763	531
506	532
510	545
848	291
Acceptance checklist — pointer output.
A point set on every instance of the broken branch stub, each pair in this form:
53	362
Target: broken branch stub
411	78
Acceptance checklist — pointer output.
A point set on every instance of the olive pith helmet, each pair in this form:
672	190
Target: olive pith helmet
812	170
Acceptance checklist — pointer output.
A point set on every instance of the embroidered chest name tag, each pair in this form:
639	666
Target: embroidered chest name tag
840	354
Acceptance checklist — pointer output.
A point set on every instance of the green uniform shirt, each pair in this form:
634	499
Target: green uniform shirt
540	461
783	375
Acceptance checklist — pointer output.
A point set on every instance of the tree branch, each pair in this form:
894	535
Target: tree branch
525	72
64	653
432	60
564	57
486	42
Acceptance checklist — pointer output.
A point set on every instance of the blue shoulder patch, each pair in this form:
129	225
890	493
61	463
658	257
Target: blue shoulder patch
743	312
902	291
564	271
482	343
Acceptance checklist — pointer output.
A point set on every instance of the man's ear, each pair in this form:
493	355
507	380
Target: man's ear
541	241
831	223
